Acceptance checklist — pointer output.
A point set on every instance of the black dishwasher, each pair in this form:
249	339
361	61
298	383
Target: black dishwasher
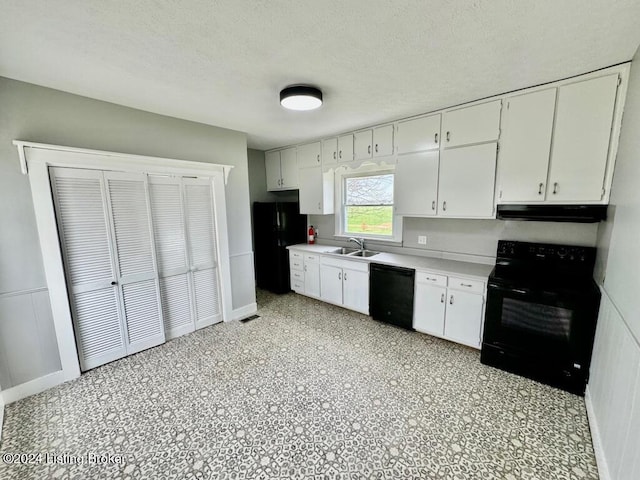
391	294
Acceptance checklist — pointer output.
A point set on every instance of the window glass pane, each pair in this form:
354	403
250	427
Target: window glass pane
369	220
370	190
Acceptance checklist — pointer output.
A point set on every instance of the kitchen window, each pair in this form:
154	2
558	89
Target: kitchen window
367	206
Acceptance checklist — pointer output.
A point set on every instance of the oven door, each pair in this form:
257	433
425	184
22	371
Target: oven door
554	326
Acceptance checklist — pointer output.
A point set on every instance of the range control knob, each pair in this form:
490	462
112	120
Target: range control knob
562	252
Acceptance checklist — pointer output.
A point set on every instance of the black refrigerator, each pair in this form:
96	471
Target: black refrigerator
275	226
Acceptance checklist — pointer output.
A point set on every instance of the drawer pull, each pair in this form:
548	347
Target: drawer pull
451	300
442	298
466	285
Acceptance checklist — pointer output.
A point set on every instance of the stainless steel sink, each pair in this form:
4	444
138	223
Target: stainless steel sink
363	253
344	251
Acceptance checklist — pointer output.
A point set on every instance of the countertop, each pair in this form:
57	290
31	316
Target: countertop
436	265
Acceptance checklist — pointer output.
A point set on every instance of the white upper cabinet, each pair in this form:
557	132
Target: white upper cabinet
309	155
527	124
330	151
466	181
373	143
418	134
362	143
281	169
416	184
383	141
469	125
316	191
289	168
582	134
345	148
272	168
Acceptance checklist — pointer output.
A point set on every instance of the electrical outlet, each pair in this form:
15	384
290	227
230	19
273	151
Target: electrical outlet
422	239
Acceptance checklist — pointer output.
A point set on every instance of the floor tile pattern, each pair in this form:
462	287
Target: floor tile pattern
306	391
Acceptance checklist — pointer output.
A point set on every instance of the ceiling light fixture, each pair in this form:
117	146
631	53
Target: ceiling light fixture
300	97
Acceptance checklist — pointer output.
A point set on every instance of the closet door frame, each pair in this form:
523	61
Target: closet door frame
36	158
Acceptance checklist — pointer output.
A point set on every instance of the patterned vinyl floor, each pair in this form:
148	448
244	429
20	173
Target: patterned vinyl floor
306	391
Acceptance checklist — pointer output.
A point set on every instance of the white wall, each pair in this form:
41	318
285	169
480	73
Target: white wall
613	393
475	238
44	115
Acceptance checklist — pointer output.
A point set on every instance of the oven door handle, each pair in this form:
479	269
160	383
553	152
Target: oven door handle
506	288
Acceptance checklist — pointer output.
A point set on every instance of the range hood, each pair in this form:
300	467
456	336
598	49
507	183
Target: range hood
553	213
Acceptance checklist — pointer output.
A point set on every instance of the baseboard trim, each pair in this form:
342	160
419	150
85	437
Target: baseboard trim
32	387
245	311
601	461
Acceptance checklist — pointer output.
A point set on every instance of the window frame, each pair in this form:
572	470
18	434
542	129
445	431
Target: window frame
340	211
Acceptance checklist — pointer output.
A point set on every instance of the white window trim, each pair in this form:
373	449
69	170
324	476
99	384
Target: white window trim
36	158
364	170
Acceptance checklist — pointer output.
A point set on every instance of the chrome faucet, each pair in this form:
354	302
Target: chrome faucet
358	241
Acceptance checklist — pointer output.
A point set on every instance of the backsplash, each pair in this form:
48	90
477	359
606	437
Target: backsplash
471	237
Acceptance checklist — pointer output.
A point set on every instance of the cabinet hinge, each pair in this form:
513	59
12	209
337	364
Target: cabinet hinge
498	145
619	80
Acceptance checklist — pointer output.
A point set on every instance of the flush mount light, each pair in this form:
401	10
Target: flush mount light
300	97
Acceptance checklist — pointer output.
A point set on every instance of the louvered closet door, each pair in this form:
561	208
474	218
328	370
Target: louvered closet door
81	213
201	240
167	211
137	276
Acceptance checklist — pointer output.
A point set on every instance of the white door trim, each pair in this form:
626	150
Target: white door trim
36	159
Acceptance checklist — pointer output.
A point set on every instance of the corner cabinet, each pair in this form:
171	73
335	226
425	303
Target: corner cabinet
449	307
281	168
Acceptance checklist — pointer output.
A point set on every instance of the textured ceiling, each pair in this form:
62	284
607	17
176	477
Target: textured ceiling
223	62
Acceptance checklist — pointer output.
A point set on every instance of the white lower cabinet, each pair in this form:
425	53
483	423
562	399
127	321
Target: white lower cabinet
345	283
305	273
449	307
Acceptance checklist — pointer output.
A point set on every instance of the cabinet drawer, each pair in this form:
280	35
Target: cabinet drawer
311	258
297	286
297	275
295	263
464	284
431	279
295	254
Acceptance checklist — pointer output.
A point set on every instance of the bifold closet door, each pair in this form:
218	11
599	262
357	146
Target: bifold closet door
83	226
167	211
135	260
201	242
105	233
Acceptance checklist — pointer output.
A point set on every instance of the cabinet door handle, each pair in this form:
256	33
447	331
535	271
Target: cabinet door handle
540	185
466	285
369	149
444	205
435	138
340	154
319	207
442	298
334	155
433	205
279	182
555	188
114	283
451	300
318	158
376	148
448	136
282	182
339	275
345	276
